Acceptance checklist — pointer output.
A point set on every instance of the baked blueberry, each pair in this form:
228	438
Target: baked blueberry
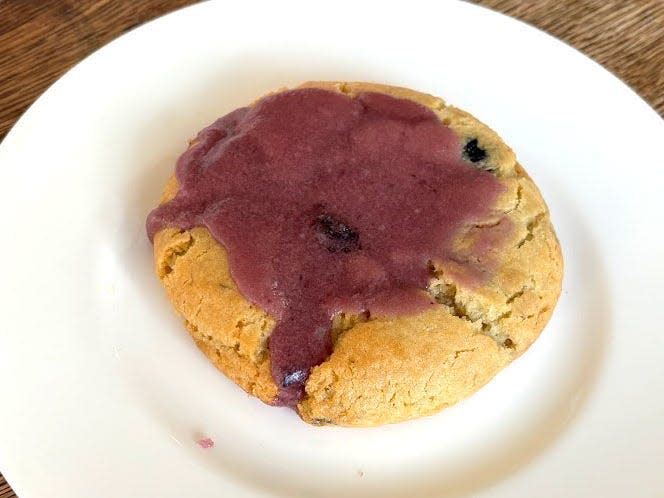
296	377
473	152
336	235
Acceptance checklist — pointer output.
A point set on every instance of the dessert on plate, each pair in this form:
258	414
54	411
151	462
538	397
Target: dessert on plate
363	253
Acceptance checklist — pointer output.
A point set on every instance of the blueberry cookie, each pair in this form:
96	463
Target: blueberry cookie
365	254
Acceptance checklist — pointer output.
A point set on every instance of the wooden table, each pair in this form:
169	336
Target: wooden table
40	40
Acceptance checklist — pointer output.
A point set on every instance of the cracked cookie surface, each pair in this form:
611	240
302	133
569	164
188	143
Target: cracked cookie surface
385	370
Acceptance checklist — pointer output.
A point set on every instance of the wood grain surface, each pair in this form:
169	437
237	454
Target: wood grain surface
40	40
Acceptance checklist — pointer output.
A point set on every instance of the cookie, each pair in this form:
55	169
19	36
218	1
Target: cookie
363	253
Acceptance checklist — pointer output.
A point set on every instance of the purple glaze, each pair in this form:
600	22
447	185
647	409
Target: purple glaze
327	203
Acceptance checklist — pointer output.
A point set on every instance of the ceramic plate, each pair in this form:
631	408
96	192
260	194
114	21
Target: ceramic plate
105	395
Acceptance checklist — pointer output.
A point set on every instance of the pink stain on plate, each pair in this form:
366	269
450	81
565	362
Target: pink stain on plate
205	443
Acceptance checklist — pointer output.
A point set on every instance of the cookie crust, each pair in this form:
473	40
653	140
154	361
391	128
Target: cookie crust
386	370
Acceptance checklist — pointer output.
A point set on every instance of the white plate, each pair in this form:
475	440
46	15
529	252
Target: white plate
104	394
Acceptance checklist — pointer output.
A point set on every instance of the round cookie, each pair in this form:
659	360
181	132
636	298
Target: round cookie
385	370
